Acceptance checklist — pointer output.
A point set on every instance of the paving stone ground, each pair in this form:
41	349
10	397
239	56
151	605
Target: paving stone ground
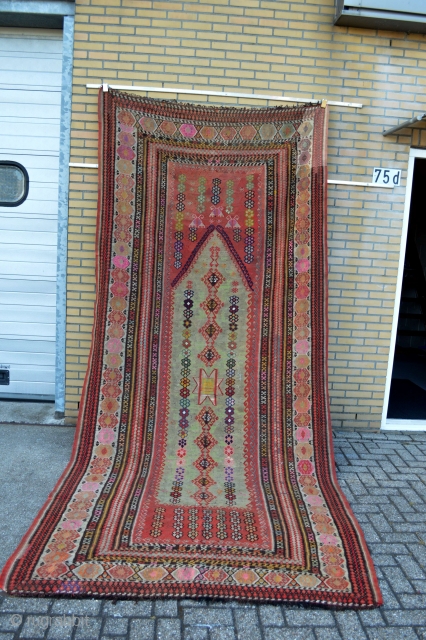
384	478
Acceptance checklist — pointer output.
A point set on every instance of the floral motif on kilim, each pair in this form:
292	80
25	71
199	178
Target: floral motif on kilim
203	463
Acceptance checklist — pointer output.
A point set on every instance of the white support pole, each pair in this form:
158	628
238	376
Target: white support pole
361	184
222	94
84	165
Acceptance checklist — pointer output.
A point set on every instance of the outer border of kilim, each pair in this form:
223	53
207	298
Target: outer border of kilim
336	499
70	476
333	486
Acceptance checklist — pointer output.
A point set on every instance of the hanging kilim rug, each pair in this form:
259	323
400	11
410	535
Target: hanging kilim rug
203	461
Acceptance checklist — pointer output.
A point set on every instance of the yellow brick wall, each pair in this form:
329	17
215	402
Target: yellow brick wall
286	48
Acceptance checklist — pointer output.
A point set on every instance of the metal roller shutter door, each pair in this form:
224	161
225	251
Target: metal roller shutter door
30	107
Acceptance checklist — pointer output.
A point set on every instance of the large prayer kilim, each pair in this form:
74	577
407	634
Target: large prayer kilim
203	462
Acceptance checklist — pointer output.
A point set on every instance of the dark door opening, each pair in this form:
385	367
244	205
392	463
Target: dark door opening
407	399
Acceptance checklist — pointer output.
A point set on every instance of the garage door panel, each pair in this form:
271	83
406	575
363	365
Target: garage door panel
32	280
34	162
20	51
30	64
32	238
43	193
15	252
32	209
40	114
31	43
37	161
38	195
22	269
27	346
29	373
30	100
45	390
27	314
25	86
39	191
27	97
28	130
24	329
42	143
30	78
43	176
27	285
24	220
25	298
22	358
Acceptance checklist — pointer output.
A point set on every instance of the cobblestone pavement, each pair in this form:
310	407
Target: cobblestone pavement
384	477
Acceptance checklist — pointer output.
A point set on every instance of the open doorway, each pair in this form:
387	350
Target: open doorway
407	393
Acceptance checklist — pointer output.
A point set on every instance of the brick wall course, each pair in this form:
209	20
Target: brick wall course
285	48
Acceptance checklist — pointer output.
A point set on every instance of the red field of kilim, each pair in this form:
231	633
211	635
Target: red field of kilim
203	461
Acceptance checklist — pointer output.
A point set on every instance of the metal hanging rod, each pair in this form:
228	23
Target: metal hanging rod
84	165
223	94
361	184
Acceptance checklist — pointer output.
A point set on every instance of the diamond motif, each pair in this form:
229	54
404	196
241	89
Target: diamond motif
210	330
206	417
209	356
213	279
205	463
211	306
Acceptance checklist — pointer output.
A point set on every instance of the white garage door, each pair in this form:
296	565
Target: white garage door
30	104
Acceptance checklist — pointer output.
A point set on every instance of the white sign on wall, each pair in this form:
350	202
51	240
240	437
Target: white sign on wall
387	177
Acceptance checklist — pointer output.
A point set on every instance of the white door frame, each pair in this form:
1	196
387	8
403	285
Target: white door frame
396	424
